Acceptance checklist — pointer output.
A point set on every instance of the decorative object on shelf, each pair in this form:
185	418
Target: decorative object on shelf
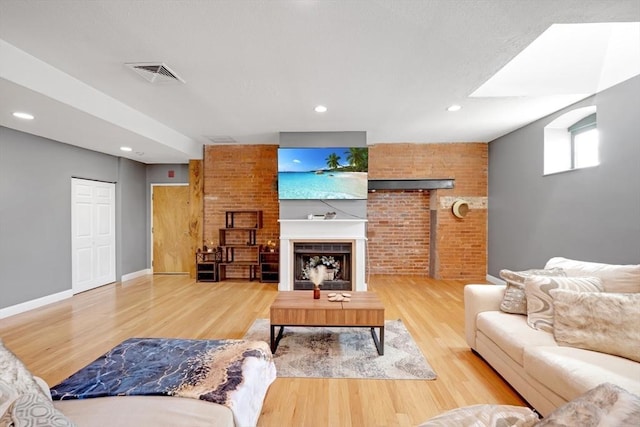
460	208
272	246
317	275
332	267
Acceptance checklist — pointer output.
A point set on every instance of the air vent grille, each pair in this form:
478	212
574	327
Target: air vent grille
154	72
221	139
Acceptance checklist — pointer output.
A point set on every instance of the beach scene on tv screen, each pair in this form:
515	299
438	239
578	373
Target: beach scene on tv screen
322	173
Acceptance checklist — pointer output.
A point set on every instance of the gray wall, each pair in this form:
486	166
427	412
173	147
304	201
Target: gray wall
589	214
344	209
133	220
35	213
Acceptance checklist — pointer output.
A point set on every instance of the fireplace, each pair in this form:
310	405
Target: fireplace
341	241
335	256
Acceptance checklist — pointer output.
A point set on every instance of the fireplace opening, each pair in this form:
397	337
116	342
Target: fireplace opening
335	256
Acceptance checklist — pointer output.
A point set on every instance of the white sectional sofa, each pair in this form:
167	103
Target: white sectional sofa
548	367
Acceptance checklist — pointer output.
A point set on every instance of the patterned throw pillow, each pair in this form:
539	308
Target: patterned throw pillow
605	405
514	300
8	395
22	402
540	301
34	410
603	322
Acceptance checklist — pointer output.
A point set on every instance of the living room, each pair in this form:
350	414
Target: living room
518	219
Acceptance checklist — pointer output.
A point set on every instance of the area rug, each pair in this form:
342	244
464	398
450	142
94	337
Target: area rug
312	352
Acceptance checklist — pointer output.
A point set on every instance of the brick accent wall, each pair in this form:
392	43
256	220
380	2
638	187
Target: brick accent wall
398	232
240	177
400	225
461	244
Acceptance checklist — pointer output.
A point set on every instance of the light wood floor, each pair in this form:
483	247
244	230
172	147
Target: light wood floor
56	340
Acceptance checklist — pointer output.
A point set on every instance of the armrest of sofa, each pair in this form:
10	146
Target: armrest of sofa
479	298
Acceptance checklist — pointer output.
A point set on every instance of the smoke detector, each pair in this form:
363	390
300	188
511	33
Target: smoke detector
154	72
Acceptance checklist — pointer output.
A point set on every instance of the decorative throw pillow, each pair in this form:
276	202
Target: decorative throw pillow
540	301
621	278
7	395
485	416
33	409
514	300
604	322
605	405
14	373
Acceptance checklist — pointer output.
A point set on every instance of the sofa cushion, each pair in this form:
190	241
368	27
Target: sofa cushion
605	322
615	277
514	300
145	411
540	301
570	371
605	405
511	333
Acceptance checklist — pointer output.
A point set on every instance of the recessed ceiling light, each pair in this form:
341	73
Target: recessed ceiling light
320	109
454	107
126	148
22	115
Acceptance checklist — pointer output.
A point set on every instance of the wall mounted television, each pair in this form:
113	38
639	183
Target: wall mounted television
326	173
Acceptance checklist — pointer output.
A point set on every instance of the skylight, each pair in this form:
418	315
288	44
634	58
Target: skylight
570	59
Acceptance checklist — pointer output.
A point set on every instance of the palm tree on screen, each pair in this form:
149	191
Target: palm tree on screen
358	158
333	161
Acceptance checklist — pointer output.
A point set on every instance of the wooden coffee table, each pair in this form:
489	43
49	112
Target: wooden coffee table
298	308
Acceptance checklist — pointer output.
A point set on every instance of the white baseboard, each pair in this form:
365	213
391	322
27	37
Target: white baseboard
495	280
135	274
36	303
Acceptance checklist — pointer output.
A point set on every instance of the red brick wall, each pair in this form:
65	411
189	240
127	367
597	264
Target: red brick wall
398	232
461	244
240	177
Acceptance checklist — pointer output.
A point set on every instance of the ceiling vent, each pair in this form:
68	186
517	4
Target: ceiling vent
154	72
221	139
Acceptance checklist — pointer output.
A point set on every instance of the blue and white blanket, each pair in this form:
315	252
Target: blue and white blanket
233	373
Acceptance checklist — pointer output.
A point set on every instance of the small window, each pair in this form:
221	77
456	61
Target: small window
571	142
584	143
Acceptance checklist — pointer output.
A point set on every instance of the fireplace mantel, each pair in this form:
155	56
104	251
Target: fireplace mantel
305	230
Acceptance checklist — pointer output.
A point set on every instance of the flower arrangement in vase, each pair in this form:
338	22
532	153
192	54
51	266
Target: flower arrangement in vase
316	275
271	245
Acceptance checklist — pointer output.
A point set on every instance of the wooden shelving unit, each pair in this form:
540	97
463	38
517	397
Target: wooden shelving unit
207	266
269	266
238	240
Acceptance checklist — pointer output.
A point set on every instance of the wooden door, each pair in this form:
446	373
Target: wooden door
170	229
93	235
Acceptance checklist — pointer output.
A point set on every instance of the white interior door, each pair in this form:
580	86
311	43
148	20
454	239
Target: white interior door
93	237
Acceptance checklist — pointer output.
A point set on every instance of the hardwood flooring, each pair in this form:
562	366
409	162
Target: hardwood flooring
56	340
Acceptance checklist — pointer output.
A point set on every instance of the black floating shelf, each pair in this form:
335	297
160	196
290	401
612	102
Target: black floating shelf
409	184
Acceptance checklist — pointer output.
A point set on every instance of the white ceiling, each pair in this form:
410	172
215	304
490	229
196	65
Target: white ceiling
255	68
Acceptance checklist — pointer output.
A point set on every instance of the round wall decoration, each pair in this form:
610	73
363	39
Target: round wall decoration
460	208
